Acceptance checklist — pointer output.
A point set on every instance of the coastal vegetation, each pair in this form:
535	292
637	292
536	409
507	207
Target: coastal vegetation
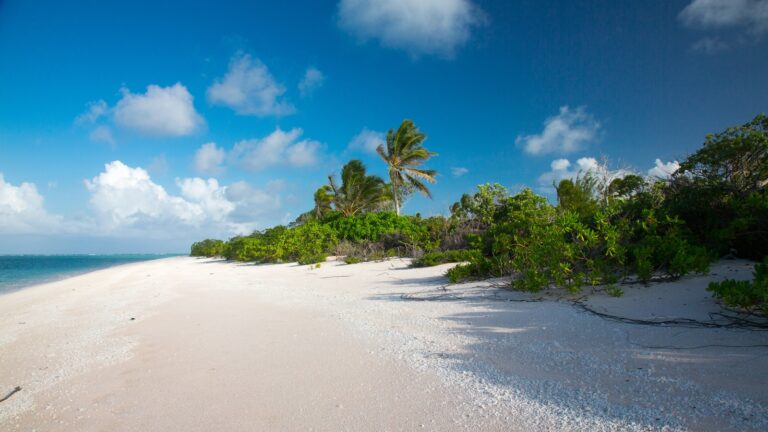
606	226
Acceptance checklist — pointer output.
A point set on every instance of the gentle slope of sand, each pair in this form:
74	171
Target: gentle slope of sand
188	344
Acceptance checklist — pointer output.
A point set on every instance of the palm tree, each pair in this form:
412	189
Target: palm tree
403	154
358	191
323	201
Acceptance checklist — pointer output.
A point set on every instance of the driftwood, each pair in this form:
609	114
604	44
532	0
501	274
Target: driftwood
17	389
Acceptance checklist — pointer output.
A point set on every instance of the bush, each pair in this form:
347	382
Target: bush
373	227
463	272
306	243
449	256
751	296
207	248
352	259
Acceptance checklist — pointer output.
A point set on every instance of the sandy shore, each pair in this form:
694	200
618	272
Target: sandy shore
189	344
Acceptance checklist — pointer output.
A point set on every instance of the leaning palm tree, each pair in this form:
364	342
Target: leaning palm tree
358	192
404	154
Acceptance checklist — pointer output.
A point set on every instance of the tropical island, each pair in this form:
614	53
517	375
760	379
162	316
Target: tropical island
384	215
608	227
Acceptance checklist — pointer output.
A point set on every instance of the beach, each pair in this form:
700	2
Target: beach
204	344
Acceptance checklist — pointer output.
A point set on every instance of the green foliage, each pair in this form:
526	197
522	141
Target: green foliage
663	244
614	291
207	248
463	272
308	243
375	227
442	257
720	191
352	259
404	153
751	296
482	206
358	192
627	186
734	161
578	195
543	246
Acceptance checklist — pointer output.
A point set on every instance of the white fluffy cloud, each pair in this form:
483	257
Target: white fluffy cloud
22	210
662	170
459	171
209	159
161	111
751	15
125	199
564	133
278	148
431	27
123	196
312	80
366	141
249	89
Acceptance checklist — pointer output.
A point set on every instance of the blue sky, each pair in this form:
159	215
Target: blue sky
140	126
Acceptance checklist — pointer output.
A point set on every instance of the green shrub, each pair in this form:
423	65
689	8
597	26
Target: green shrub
208	248
373	227
451	256
751	296
462	272
317	259
306	243
352	259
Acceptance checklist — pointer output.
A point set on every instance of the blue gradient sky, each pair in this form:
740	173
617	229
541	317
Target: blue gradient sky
647	80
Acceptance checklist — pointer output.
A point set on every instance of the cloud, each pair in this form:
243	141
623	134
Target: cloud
95	111
22	210
425	27
564	133
209	159
252	202
710	45
751	15
249	89
102	134
312	80
561	169
278	148
367	141
459	171
125	200
161	111
663	170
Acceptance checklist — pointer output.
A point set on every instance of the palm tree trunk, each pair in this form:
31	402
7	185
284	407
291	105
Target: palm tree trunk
394	194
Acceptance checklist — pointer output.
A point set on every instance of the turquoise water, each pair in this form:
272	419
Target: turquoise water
19	271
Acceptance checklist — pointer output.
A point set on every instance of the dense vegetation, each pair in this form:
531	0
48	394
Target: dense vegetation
607	226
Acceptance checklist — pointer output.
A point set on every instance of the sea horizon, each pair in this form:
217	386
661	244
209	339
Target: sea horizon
19	271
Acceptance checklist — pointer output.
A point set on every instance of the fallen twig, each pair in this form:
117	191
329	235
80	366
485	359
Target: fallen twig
14	391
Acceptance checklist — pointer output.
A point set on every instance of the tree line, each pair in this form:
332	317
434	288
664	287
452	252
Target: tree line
603	229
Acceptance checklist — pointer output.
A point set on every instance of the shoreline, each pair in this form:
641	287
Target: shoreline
57	277
282	345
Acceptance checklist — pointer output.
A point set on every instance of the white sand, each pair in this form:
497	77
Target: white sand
226	346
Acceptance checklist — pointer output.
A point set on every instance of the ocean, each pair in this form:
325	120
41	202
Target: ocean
19	271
